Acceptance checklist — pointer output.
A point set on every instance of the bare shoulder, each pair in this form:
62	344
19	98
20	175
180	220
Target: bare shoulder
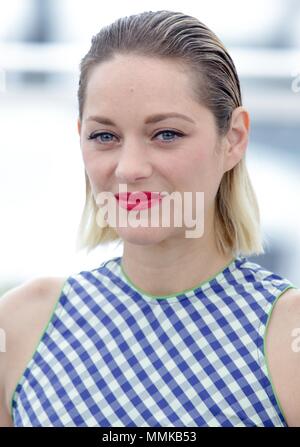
31	290
24	313
28	303
283	353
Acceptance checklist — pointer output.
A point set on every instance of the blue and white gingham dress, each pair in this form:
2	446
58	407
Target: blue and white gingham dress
114	356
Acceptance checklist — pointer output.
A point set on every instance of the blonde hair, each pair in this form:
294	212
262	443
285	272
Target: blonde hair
175	36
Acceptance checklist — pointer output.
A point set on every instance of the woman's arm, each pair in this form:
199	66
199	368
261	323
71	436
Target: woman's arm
283	354
24	313
5	315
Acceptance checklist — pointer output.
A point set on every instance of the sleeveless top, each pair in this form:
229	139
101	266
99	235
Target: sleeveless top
115	356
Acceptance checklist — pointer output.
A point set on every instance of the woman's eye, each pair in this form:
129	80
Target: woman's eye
170	132
100	134
101	137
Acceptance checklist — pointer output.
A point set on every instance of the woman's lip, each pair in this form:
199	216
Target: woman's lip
138	196
143	204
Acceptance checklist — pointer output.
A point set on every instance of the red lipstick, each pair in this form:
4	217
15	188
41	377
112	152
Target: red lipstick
138	200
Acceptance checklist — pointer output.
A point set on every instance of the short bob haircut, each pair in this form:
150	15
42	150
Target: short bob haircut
175	36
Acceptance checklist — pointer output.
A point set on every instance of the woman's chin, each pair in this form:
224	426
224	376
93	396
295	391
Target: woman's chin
144	236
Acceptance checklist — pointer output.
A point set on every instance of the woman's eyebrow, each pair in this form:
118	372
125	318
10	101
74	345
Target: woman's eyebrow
149	120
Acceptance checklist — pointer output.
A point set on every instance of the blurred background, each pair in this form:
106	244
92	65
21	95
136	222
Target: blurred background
41	170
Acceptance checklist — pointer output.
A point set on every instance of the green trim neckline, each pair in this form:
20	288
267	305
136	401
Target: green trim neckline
175	295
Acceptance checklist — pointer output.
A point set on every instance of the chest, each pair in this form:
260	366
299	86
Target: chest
143	369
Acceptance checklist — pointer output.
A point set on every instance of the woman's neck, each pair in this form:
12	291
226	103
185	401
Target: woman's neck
161	271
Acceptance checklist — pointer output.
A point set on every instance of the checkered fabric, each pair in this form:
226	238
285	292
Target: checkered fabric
114	356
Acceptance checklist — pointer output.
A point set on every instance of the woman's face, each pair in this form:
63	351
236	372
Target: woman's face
171	154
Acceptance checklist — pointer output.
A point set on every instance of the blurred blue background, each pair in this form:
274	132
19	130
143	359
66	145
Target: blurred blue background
41	170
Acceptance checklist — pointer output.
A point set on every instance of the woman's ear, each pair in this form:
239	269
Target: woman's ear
78	126
236	138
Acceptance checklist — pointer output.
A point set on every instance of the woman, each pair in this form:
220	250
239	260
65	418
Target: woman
174	332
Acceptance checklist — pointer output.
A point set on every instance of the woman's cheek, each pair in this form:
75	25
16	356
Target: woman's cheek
86	156
91	161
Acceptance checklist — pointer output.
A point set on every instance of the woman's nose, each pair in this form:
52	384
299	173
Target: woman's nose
133	164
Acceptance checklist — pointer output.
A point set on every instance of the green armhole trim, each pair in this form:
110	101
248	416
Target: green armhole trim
266	362
37	345
173	295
